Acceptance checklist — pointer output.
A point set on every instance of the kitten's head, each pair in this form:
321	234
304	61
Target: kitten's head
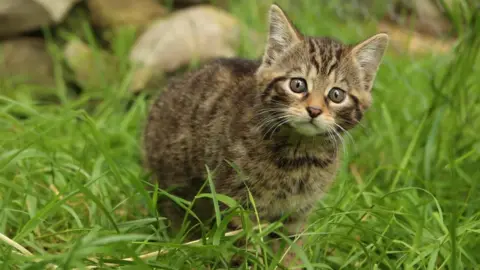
316	84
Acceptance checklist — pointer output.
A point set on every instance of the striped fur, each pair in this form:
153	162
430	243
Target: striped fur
242	111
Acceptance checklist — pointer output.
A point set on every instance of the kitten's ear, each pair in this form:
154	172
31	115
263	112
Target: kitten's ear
368	55
282	35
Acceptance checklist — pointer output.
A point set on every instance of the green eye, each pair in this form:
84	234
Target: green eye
336	95
298	85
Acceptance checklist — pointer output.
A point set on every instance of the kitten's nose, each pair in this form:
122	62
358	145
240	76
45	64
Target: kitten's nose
314	111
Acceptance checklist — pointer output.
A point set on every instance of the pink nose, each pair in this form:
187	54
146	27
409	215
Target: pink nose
314	111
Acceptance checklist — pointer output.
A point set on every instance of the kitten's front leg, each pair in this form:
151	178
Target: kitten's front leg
293	228
289	257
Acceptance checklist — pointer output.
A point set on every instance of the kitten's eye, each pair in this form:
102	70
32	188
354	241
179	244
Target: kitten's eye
336	95
298	85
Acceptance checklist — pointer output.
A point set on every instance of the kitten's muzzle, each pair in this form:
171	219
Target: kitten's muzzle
314	111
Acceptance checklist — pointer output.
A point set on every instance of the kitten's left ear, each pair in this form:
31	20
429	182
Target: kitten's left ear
368	55
282	35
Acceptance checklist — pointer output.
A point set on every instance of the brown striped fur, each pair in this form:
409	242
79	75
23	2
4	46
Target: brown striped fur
243	111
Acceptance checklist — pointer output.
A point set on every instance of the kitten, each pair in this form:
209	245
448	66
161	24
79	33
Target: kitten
277	119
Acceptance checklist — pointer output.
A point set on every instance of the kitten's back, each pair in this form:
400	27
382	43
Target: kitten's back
192	108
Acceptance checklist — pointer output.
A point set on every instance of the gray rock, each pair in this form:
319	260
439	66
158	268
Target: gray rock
18	16
93	70
26	61
193	34
187	3
116	13
430	16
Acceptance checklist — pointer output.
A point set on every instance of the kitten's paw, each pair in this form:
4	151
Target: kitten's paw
291	261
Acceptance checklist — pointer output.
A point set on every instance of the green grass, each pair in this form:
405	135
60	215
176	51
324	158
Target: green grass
74	193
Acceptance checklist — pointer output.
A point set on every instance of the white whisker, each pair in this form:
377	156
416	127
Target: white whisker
269	120
332	137
341	140
279	125
346	132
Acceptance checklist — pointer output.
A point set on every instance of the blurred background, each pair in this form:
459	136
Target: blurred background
86	45
77	77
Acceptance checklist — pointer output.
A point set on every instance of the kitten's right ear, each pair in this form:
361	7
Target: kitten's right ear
368	54
282	35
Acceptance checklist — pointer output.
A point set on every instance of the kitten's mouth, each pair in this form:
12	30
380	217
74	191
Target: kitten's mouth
308	128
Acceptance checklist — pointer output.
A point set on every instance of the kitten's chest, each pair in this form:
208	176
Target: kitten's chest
277	190
281	175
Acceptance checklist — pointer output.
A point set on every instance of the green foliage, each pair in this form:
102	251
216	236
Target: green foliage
74	193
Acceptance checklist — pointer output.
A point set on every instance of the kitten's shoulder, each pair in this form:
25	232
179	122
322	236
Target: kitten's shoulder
237	66
218	69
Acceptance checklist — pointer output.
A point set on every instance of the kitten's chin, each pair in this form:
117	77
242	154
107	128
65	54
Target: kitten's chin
308	129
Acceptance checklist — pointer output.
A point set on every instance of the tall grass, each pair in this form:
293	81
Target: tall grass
73	192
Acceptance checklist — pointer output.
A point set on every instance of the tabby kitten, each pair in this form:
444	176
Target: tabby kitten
278	120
